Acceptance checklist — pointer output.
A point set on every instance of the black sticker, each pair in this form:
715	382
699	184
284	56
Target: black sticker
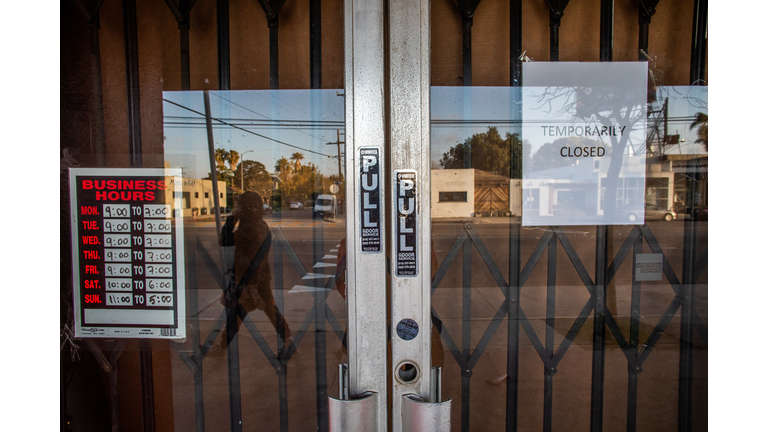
370	200
405	223
407	329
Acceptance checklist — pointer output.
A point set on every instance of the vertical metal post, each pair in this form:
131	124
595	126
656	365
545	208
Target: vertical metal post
468	8
699	42
63	393
685	383
515	42
466	32
132	76
184	5
222	42
550	330
194	320
199	401
598	330
513	290
315	46
606	30
466	45
647	9
147	386
318	250
135	151
110	366
97	99
114	399
645	22
554	35
194	307
321	373
184	45
634	337
277	253
513	326
181	12
274	63
365	116
466	331
282	373
272	11
601	258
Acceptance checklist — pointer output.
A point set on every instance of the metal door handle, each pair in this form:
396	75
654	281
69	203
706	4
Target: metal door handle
359	414
420	416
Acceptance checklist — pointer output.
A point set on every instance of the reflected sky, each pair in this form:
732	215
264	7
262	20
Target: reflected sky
277	123
271	124
684	103
460	112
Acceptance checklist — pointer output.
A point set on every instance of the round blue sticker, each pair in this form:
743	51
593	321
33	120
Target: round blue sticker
407	329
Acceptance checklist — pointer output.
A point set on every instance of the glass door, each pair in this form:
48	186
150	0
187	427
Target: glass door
562	273
374	229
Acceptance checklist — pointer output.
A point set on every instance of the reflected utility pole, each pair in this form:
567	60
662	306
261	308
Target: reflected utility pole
338	144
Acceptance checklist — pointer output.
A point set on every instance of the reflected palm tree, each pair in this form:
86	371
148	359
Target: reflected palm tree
297	158
702	122
283	167
222	156
233	159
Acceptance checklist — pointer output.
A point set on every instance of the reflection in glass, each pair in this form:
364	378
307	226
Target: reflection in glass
247	232
517	305
262	193
586	124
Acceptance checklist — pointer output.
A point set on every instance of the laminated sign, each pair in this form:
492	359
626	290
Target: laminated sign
584	134
406	263
128	253
370	200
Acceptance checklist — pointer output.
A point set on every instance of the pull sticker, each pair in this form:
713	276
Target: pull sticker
406	262
370	201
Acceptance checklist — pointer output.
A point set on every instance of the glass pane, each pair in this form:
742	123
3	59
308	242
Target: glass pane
553	357
283	189
133	76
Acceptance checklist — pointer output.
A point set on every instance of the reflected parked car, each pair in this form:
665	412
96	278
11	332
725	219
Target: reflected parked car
652	212
267	209
296	205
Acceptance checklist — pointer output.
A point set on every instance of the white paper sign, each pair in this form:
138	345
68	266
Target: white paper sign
585	123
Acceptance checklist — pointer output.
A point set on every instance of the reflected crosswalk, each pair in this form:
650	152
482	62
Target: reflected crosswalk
315	276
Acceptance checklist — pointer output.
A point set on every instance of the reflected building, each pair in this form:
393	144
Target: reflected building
198	197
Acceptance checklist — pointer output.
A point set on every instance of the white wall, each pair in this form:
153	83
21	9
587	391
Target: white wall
200	186
453	180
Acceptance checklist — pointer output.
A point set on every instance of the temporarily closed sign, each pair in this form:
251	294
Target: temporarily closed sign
584	129
127	249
